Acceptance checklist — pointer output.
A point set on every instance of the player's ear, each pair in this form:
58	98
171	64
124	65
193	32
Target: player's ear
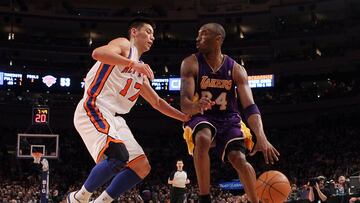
219	39
133	31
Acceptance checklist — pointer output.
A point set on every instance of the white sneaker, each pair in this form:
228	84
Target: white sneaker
72	199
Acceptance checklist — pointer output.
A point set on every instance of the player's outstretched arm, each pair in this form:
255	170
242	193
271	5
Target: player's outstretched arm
189	68
116	52
252	115
148	93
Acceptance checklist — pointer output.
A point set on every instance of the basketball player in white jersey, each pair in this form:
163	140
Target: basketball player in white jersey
112	87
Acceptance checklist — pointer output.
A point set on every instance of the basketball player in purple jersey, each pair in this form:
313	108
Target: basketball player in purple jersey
211	82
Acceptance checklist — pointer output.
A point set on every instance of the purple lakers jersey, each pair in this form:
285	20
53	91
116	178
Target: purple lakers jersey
217	86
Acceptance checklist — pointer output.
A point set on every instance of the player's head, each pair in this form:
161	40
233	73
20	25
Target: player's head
141	32
210	36
179	164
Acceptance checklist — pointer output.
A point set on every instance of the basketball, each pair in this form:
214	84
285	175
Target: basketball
273	187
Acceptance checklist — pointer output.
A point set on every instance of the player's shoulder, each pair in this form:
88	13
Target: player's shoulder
190	59
238	66
230	58
239	72
121	42
190	63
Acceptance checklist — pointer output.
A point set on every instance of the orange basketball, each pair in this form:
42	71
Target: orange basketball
273	187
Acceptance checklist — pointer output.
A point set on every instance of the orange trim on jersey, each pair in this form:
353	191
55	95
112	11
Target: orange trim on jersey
134	161
94	90
108	140
135	96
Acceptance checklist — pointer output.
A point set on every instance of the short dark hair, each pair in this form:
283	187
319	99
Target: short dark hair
138	23
217	28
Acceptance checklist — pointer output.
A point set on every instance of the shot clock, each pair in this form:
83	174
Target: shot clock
40	115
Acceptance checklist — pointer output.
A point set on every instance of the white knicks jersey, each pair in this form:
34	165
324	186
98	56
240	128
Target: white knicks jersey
111	88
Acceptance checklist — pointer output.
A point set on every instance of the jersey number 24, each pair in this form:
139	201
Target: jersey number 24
220	100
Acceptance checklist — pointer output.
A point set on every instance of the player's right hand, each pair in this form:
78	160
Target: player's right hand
205	104
143	68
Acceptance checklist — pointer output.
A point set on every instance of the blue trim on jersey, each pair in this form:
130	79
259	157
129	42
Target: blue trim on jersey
94	113
102	74
94	90
130	52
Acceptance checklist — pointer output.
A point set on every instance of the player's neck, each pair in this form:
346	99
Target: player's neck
139	50
214	59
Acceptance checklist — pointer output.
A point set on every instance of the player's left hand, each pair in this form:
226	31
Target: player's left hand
270	153
144	69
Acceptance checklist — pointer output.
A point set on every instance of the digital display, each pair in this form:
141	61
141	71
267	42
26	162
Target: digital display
75	84
1	78
174	84
32	77
231	185
37	82
40	115
65	82
260	81
49	80
12	79
160	84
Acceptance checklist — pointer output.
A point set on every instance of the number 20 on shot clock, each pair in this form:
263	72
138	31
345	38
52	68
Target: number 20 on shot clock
40	115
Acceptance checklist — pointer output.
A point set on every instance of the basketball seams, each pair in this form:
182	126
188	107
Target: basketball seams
278	186
270	194
262	193
277	189
270	186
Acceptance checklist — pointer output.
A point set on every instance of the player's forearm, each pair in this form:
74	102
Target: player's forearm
255	123
189	107
168	110
107	56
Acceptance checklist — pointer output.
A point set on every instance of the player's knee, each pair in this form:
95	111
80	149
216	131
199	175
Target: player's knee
237	158
140	166
203	139
117	155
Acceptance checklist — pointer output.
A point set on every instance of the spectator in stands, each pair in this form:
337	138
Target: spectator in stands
294	194
341	187
318	192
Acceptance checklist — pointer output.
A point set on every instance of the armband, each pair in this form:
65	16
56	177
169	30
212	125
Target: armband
130	65
250	110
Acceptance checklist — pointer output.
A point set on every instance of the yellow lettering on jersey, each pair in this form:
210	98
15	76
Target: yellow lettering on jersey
215	83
